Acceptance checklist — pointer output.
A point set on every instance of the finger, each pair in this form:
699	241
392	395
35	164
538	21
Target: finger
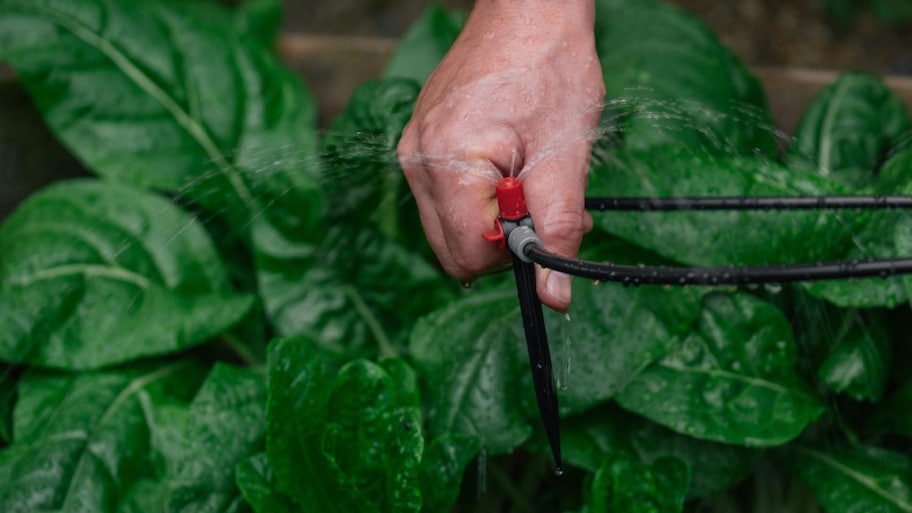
555	192
456	207
466	208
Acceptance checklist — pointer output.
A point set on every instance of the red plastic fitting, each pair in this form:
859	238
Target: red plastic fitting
510	199
512	204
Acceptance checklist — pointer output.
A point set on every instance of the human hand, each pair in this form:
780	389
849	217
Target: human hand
520	92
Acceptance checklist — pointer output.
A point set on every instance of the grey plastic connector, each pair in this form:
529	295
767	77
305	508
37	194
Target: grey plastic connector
521	239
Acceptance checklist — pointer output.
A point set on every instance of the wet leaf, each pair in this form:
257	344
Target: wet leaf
612	334
884	235
356	291
624	484
347	439
360	156
82	442
86	263
849	128
371	274
424	44
733	380
257	482
718	238
224	425
472	357
859	364
858	479
442	467
171	96
677	84
590	438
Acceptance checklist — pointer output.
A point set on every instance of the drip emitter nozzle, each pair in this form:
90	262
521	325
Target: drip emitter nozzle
511	199
513	228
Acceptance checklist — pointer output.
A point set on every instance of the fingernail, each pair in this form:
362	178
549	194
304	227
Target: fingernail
558	286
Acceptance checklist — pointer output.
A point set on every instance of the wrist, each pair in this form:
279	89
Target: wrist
540	15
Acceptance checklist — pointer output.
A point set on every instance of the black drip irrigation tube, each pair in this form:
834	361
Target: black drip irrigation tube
750	203
514	229
731	275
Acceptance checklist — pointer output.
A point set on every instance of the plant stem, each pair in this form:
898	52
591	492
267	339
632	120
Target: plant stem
389	213
240	349
384	345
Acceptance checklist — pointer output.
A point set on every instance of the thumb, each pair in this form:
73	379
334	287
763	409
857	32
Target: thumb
555	195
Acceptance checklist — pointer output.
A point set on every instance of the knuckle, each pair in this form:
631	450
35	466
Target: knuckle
564	227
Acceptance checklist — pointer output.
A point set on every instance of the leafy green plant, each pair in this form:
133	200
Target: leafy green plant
215	322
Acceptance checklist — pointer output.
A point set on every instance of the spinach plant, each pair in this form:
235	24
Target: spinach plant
215	322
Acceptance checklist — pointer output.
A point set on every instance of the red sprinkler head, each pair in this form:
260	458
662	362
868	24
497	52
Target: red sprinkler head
512	204
513	227
510	199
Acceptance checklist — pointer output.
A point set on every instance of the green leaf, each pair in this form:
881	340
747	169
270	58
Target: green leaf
343	440
677	84
169	95
442	467
887	234
82	442
471	356
258	484
358	290
172	96
588	439
96	273
374	294
858	479
261	18
224	426
625	484
360	156
848	128
733	380
718	238
859	363
611	334
424	44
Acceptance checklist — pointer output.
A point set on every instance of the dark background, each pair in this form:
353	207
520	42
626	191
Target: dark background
800	33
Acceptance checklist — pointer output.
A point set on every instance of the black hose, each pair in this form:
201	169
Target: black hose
749	203
726	275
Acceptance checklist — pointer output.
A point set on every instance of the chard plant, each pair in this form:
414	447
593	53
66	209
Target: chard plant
214	322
